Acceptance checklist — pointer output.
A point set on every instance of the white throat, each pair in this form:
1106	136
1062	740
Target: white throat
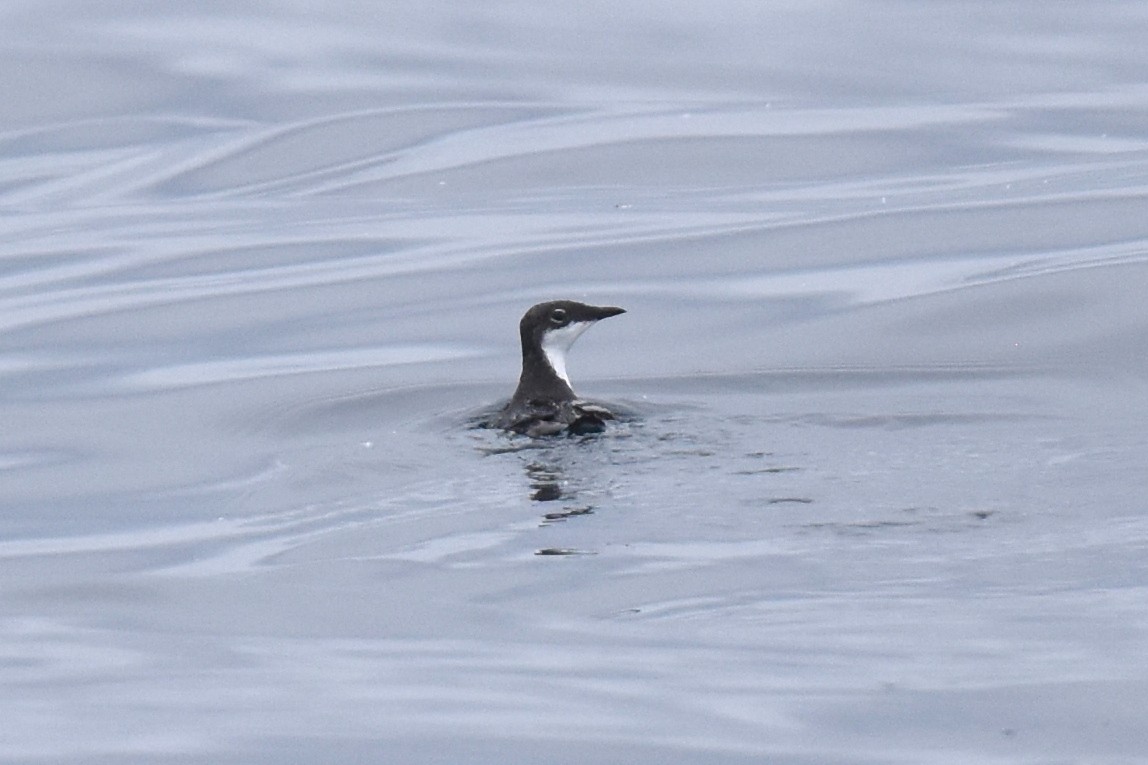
555	344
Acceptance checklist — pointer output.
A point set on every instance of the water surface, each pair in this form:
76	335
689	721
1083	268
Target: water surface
879	493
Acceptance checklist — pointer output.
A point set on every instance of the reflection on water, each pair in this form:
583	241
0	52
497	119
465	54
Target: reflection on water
545	481
555	469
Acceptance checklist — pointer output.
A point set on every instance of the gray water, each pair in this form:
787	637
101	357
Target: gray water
880	493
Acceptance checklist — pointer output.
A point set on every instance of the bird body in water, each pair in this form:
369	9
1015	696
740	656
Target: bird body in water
544	402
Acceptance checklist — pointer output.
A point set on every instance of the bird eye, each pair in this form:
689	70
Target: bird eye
558	316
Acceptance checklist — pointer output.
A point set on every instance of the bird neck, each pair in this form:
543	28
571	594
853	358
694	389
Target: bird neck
539	380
